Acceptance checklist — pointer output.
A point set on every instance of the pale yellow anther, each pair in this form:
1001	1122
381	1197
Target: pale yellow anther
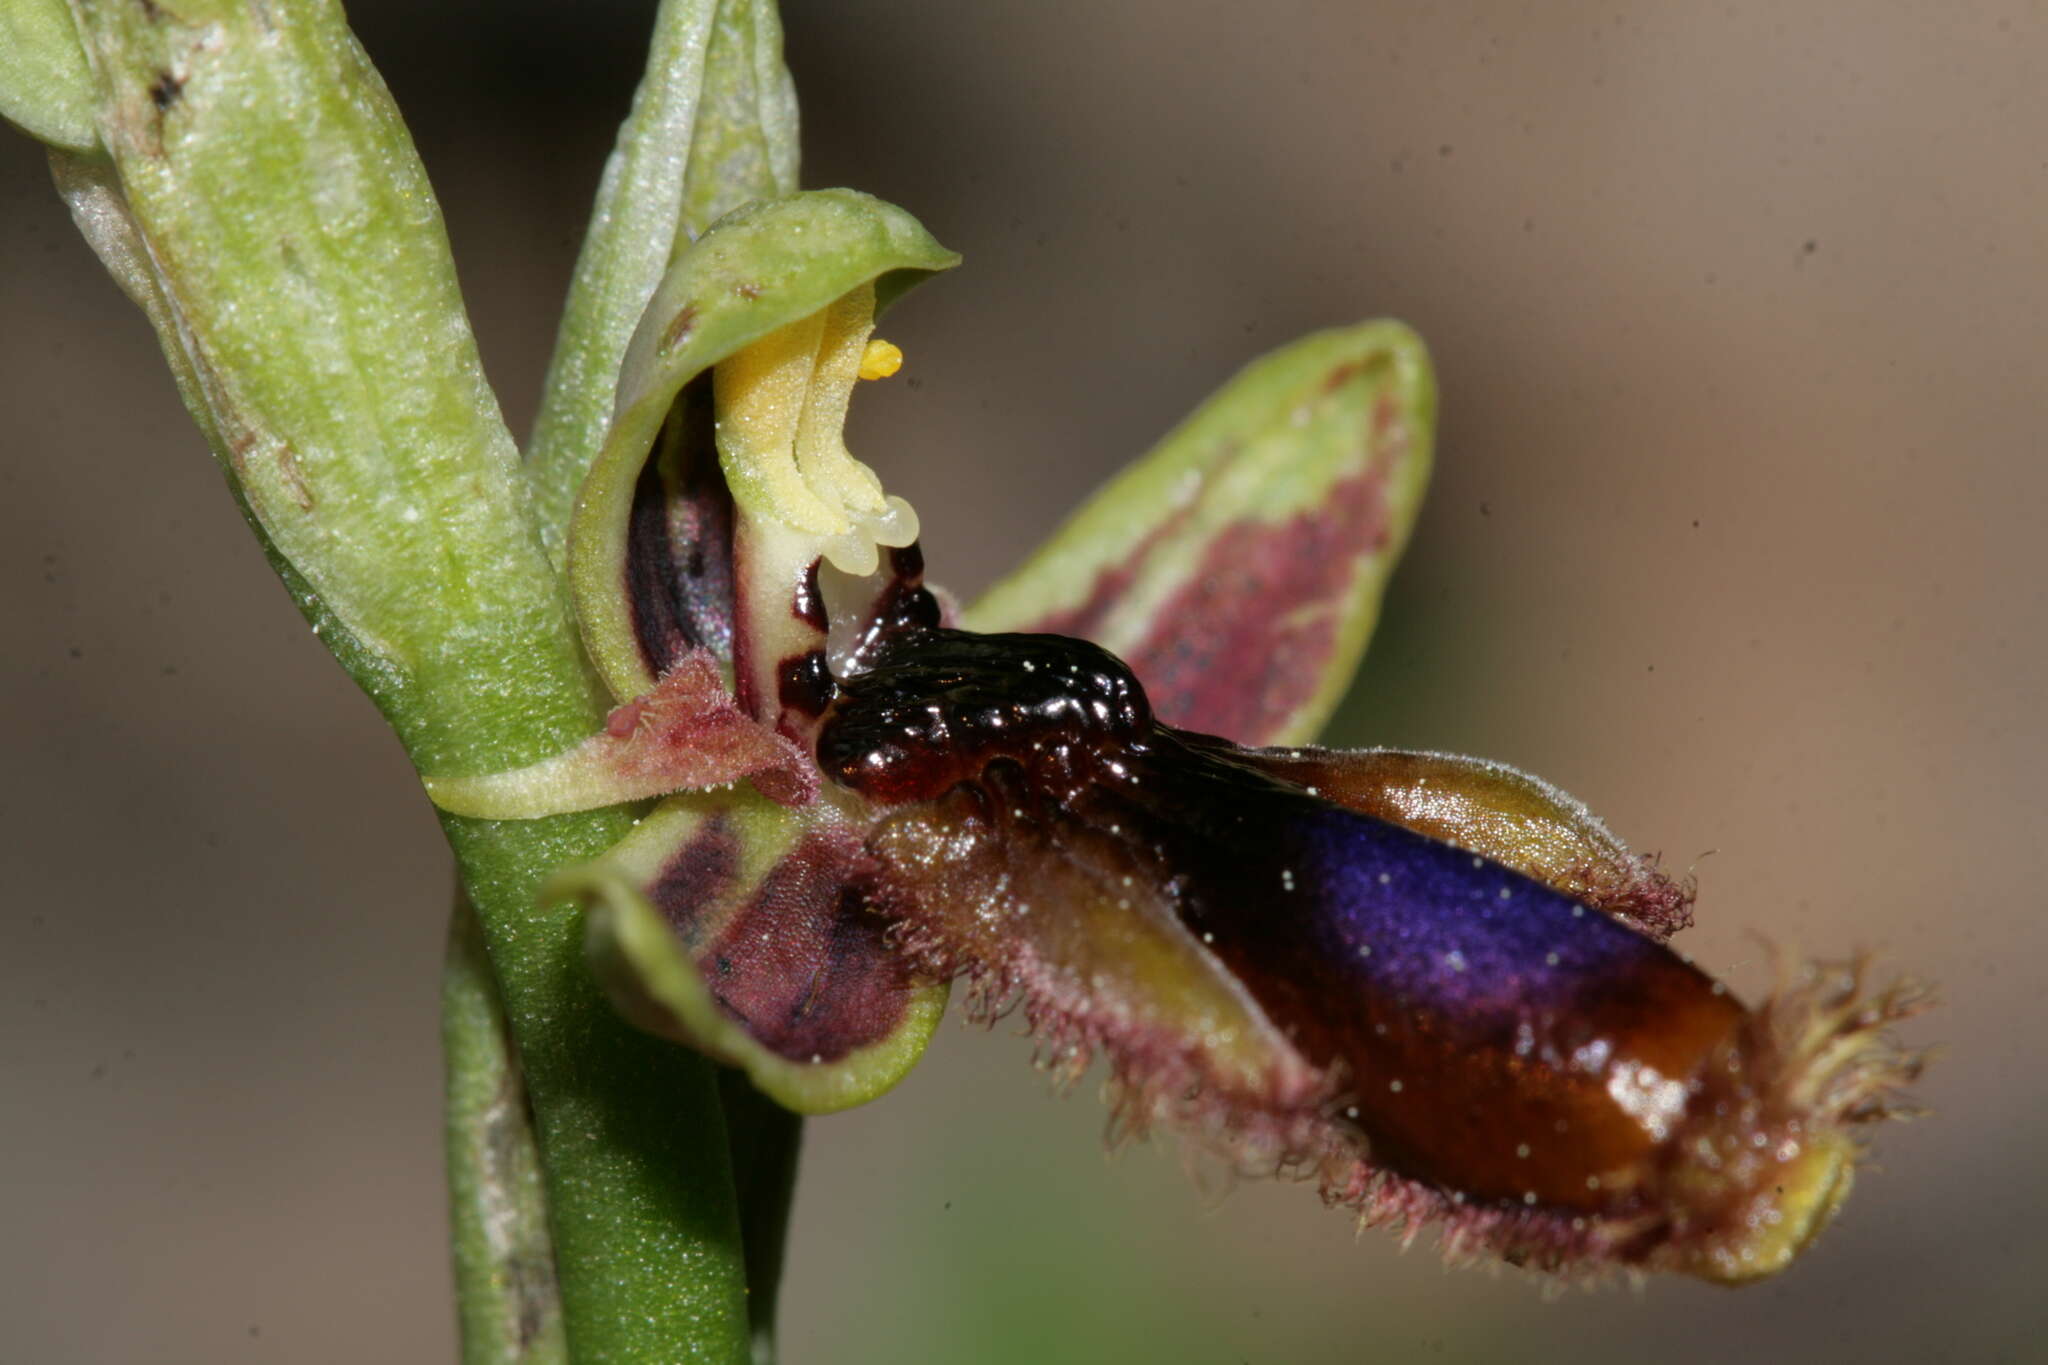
781	422
881	359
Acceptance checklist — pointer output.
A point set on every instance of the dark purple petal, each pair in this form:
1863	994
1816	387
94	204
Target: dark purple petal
677	568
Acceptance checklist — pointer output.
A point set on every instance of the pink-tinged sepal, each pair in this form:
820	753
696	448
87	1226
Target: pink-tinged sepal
1238	567
1312	988
687	734
741	928
1499	812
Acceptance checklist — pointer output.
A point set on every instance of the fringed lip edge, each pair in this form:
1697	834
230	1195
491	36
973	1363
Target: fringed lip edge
1827	1056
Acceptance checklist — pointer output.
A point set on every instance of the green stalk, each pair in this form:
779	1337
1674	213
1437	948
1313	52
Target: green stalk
714	84
507	1301
261	199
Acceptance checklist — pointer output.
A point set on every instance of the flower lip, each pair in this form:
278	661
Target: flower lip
1311	987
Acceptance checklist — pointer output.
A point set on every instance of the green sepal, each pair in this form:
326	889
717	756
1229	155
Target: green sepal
715	86
743	144
45	85
712	860
1239	566
758	269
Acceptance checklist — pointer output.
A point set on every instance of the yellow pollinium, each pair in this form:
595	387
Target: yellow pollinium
781	422
881	359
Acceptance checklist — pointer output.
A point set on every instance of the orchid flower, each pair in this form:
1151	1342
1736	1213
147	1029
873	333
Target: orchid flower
1438	986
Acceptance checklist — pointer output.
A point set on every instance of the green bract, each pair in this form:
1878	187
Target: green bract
45	84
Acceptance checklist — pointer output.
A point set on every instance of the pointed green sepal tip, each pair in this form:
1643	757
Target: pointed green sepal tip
1239	566
729	924
754	272
46	87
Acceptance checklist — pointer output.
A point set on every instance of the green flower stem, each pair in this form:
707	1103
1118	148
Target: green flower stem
715	84
262	201
510	1309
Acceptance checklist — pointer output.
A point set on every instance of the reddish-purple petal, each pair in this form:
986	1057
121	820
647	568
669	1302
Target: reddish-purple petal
1238	567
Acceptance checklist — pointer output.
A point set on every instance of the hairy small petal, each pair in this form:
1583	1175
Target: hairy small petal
685	735
739	928
1238	567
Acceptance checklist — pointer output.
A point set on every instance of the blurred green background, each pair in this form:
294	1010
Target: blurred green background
1737	533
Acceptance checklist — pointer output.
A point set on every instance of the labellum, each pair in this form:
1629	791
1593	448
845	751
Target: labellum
1435	985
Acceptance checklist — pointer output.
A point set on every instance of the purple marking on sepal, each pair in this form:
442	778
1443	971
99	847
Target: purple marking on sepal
801	962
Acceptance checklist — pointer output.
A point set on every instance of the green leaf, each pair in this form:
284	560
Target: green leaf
45	85
757	270
1239	566
713	125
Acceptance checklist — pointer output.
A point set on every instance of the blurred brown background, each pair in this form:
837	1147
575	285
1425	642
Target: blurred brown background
1737	533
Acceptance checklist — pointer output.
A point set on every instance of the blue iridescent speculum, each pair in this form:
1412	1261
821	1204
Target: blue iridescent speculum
1437	985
